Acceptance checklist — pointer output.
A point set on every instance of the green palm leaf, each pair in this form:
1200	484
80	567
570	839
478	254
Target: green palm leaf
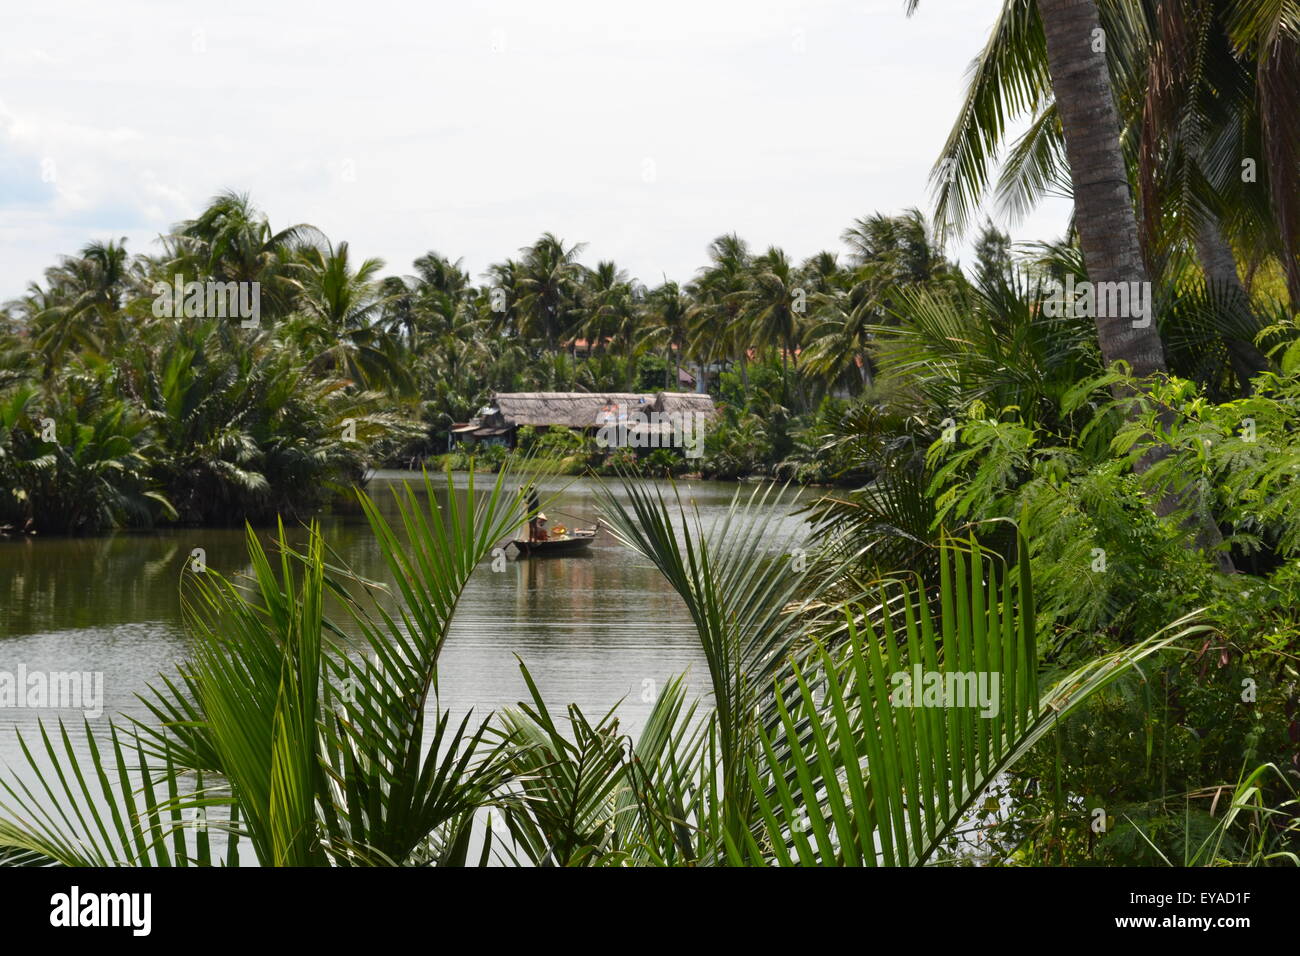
855	773
108	814
742	589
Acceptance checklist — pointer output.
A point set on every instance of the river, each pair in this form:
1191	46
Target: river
592	629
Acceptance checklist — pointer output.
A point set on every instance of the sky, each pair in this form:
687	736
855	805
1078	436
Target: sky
643	130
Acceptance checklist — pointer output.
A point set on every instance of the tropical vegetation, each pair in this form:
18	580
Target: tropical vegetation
1096	511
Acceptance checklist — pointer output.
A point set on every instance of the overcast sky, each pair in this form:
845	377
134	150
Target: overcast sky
644	130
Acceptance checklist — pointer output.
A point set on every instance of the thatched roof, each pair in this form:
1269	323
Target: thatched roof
685	402
584	409
572	409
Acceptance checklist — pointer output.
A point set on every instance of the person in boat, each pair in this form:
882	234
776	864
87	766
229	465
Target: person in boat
536	520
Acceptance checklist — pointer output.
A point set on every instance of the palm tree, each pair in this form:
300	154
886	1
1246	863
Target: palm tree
547	282
1269	35
604	292
342	312
821	272
94	472
989	346
887	255
499	300
84	301
1195	97
770	306
668	311
458	343
1104	217
719	332
232	241
840	334
1188	102
443	275
400	310
105	274
1219	83
900	247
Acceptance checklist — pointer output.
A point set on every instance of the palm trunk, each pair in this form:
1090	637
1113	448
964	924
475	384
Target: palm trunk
1103	206
1221	276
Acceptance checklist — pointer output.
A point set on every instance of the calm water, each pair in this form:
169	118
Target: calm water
592	629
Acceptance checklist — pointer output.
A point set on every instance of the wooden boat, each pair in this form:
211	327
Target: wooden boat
570	543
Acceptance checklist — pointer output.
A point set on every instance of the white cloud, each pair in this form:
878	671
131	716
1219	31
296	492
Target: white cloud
473	128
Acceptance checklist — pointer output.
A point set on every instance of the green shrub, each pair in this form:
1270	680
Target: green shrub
620	461
558	442
736	450
663	463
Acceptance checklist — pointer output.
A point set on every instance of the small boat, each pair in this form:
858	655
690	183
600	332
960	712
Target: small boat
569	543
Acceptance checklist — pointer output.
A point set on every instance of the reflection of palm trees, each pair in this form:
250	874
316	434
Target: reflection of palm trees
132	579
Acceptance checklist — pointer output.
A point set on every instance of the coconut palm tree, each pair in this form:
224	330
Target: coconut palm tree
232	241
720	334
821	272
84	301
499	299
1193	105
548	279
668	315
839	336
1075	45
605	292
442	274
900	247
341	313
888	254
1268	36
773	305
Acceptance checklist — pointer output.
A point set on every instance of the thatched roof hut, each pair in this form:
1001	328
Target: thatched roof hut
569	409
586	409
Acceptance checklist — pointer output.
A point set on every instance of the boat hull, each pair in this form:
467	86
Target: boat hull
571	544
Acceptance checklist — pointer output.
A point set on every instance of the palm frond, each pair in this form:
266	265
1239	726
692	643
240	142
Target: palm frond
858	774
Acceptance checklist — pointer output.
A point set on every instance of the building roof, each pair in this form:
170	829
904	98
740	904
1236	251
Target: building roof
685	402
573	409
586	409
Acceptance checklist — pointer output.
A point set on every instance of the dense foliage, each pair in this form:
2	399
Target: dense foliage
1102	511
